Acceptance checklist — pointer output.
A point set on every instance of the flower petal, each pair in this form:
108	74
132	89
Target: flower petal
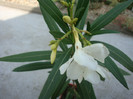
64	67
80	79
74	71
103	72
100	70
98	51
85	60
92	77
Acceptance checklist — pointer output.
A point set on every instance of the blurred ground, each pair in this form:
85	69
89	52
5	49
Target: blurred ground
21	31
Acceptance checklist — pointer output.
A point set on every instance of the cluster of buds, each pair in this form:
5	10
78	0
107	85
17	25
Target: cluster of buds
66	3
54	45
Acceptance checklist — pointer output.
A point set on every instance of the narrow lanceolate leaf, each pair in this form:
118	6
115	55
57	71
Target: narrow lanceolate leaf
109	16
125	73
81	11
63	46
112	67
29	56
49	20
85	89
52	25
69	95
64	87
54	79
33	66
58	35
59	91
98	32
119	56
54	12
83	19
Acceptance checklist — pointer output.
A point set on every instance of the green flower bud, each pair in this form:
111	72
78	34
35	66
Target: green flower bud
53	46
74	20
67	19
64	3
52	42
53	56
73	1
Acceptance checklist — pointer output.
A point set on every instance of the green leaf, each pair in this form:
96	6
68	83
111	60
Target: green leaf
96	20
52	25
54	12
54	79
124	72
61	89
63	46
33	66
85	90
82	12
49	20
119	56
88	26
109	16
69	95
58	34
112	67
98	32
29	56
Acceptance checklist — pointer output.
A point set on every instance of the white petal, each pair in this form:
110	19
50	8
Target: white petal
105	71
85	60
74	71
100	70
64	67
80	79
92	77
98	51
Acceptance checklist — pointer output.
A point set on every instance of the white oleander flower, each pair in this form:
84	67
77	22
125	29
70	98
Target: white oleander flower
83	63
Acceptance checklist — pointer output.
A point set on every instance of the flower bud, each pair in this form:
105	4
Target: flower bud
74	20
53	46
73	1
53	56
52	42
64	3
67	19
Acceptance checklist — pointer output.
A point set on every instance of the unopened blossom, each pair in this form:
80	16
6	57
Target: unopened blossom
83	64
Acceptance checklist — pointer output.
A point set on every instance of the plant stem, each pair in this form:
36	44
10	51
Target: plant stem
66	35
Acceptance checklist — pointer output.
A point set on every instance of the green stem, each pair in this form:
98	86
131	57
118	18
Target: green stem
71	11
66	35
85	41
